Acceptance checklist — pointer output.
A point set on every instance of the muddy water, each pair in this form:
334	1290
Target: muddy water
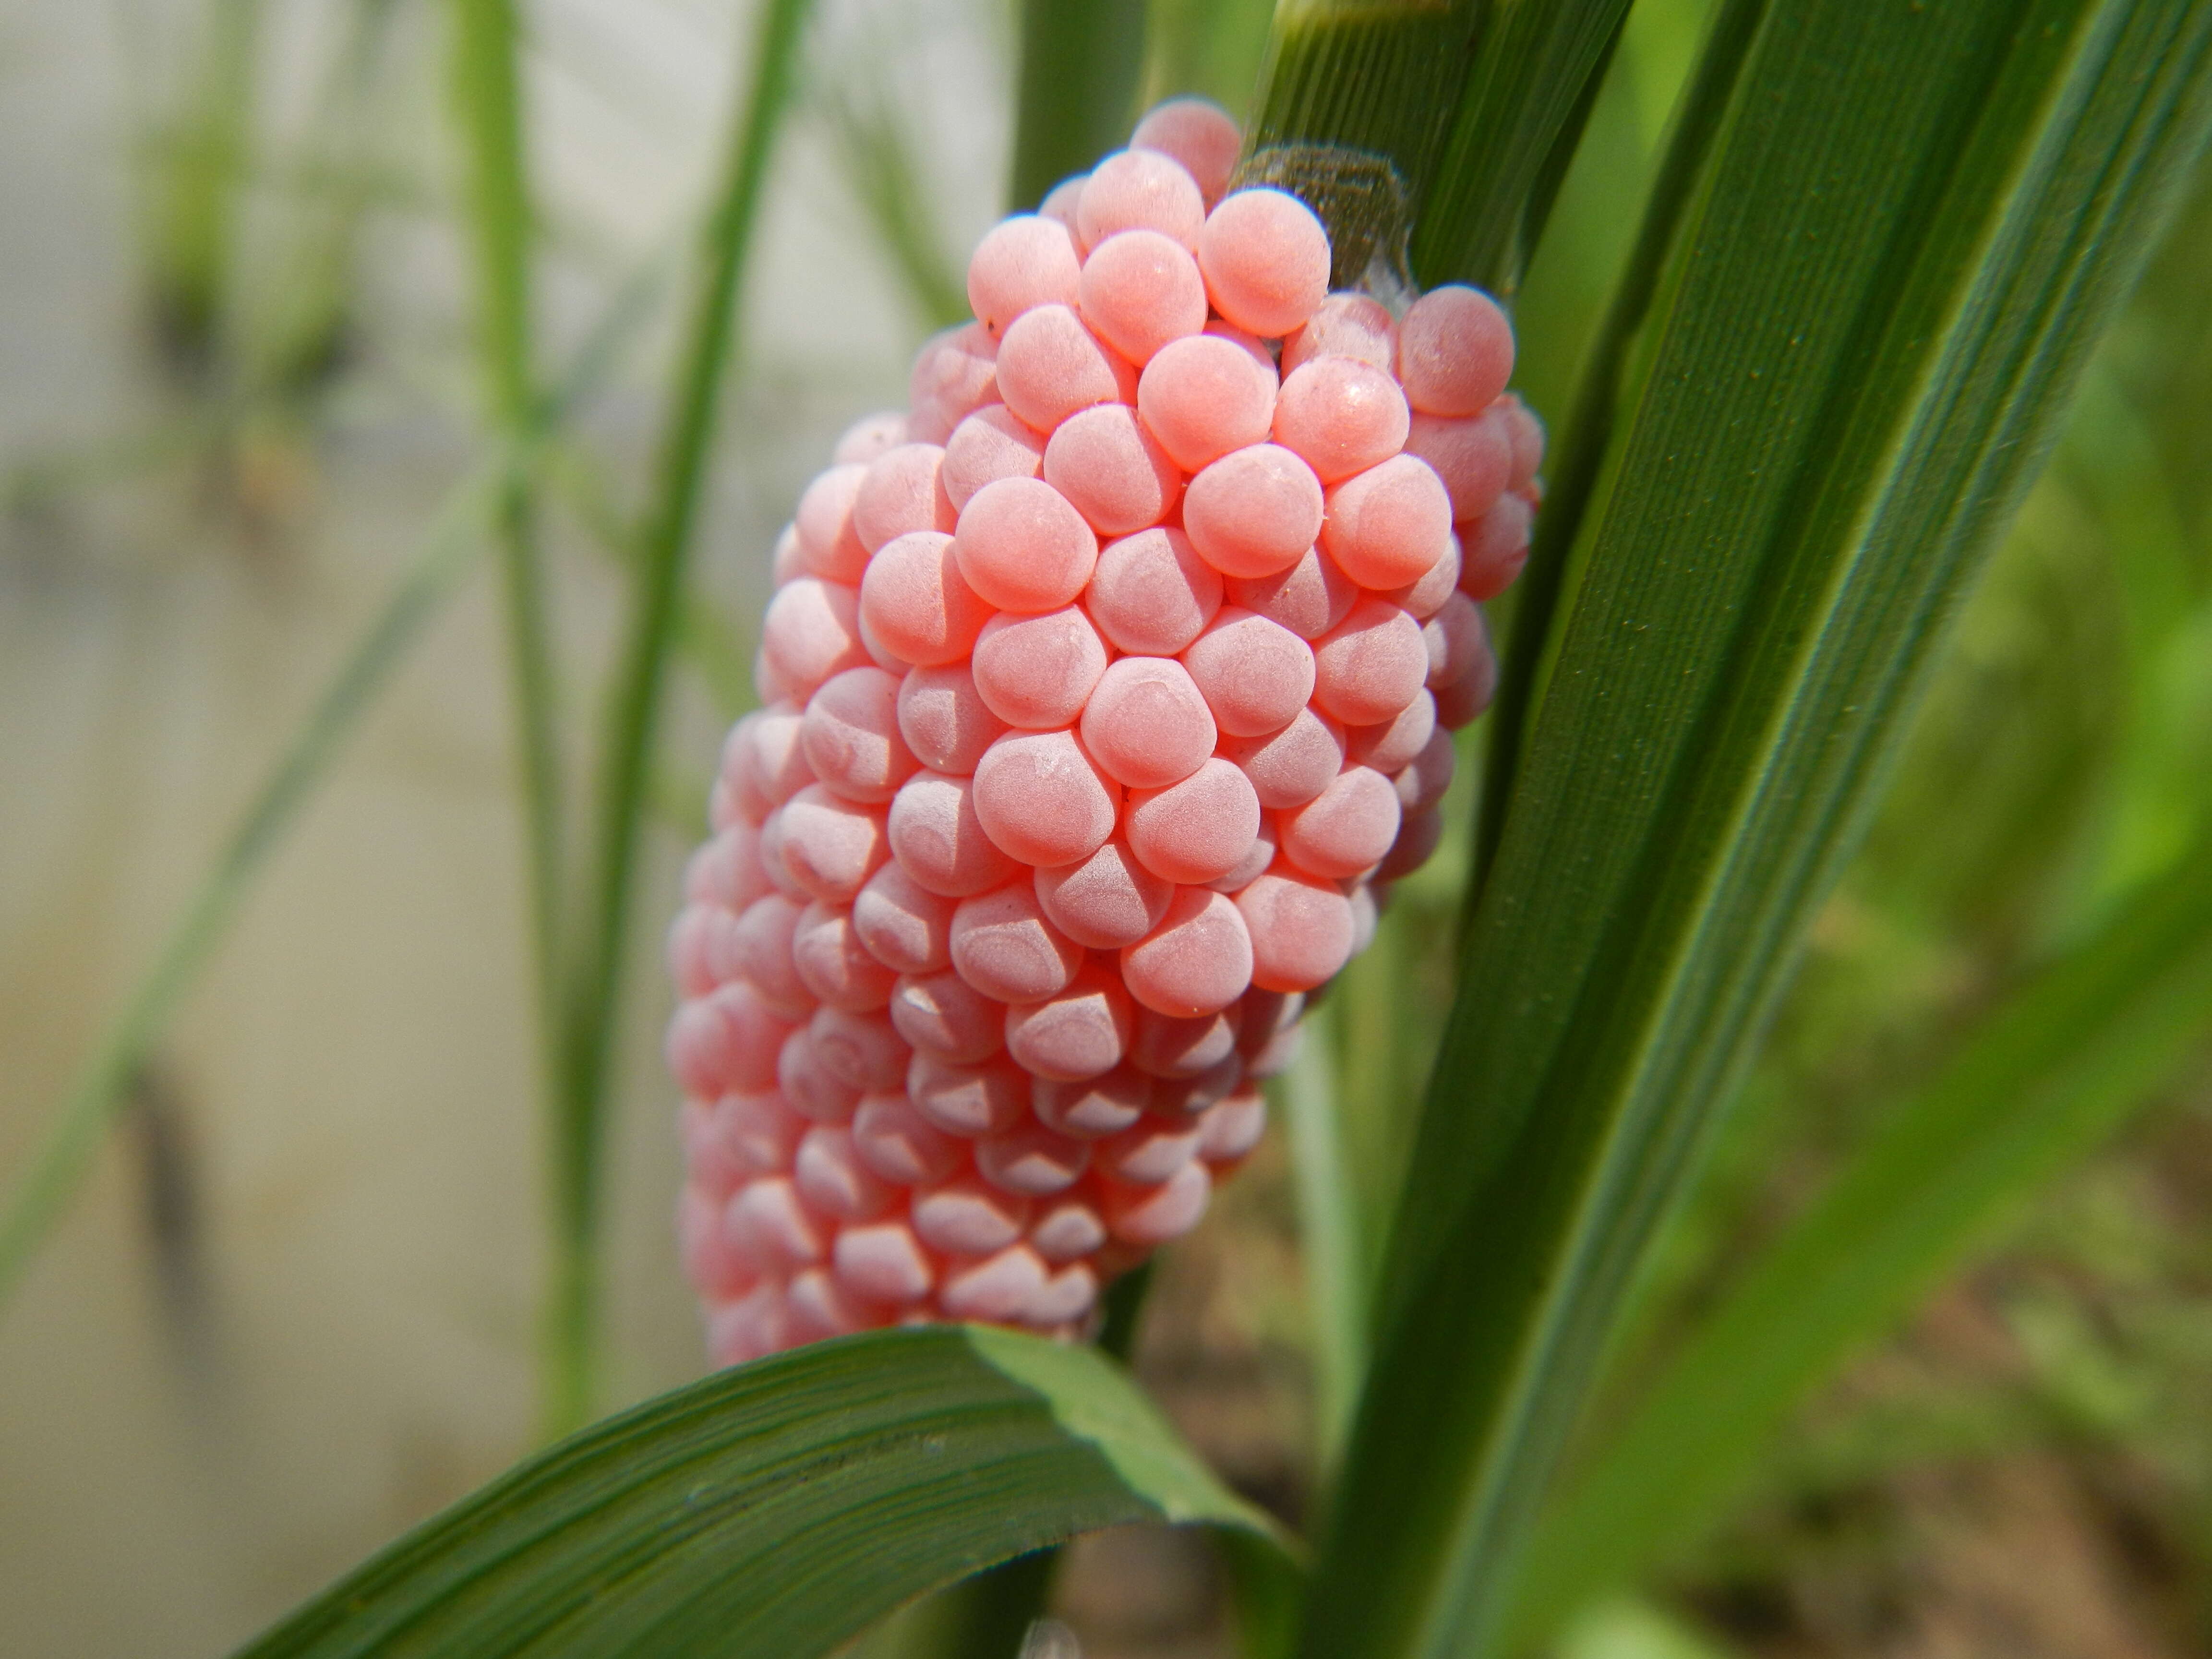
293	1307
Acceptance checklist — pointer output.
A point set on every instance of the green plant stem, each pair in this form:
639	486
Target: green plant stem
594	1003
1205	48
1332	1243
63	1157
1077	91
203	169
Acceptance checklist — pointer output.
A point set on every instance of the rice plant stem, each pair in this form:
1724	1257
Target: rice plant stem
1081	60
450	553
593	1004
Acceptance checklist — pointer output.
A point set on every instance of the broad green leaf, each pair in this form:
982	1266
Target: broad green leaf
777	1509
2064	1059
1913	222
1332	1243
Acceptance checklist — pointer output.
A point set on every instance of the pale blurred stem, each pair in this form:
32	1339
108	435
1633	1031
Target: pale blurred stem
594	1000
1081	61
1589	431
196	215
488	94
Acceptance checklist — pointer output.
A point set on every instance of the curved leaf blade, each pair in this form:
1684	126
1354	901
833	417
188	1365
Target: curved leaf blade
781	1508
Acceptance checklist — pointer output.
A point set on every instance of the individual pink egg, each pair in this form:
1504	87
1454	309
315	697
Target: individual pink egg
828	545
778	872
1494	548
1022	547
851	736
754	1325
1140	290
1050	365
1106	900
1255	674
1230	1131
1473	456
690	948
1255	511
1092	1107
989	445
1004	946
1266	260
1387	525
1148	1151
1204	396
1422	597
1455	351
1139	190
902	490
1041	800
1466	698
944	719
1340	416
1528	441
1066	1300
1198	133
1347	826
1456	641
1146	724
865	1050
904	925
1080	1032
1179	1099
1162	1046
1301	930
1393	743
869	437
1422	783
725	1041
1032	1160
1197	830
821	1308
944	1016
1150	594
758	1132
1290	767
1369	666
812	631
1037	672
1264	1015
1308	597
1060	204
1000	1289
1111	469
760	953
968	1101
831	846
883	1262
1258	859
787	560
967	1216
1418	835
896	1144
939	838
770	757
833	1180
1198	960
710	1261
954	372
770	685
1148	1217
1023	262
770	1223
835	966
1345	325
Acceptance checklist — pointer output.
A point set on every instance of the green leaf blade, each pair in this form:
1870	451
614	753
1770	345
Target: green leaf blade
1852	363
779	1508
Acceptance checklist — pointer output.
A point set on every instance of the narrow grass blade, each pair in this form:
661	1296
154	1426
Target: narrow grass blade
1205	48
778	1508
1077	96
595	995
2062	1060
1332	1242
1859	345
62	1158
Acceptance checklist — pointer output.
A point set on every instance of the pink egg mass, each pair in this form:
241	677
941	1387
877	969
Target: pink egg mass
1104	692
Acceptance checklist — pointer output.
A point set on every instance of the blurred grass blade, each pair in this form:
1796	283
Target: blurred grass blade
778	1508
1205	48
199	182
63	1157
1332	1243
1913	222
1077	98
2093	1036
878	158
454	540
594	1002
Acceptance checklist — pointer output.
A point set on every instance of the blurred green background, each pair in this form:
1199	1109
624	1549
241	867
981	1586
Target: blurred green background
294	1309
